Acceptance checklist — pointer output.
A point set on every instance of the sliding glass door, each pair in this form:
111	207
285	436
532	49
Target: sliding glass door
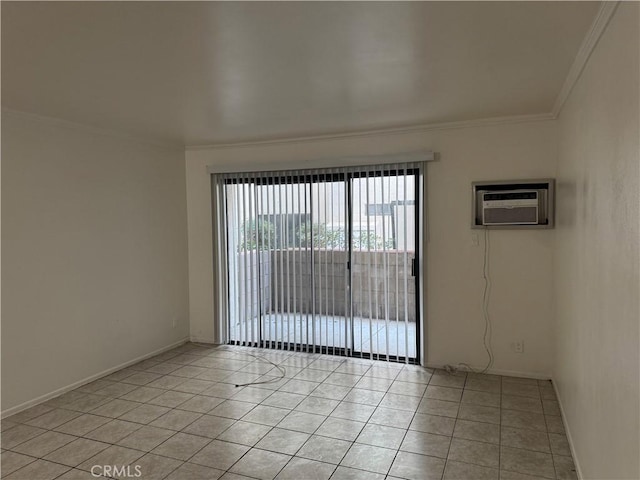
323	261
383	259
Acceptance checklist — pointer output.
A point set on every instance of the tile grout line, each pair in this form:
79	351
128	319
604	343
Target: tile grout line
500	400
455	422
409	426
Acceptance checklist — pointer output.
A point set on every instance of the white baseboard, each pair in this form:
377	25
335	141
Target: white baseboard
56	393
505	373
568	432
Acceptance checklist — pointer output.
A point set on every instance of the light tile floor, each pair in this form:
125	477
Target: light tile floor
179	416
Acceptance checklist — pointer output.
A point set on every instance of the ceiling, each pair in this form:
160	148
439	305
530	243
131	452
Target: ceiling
202	73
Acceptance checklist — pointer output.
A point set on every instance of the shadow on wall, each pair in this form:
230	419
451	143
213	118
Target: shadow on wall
566	203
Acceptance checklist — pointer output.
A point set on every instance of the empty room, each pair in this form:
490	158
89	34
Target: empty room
320	240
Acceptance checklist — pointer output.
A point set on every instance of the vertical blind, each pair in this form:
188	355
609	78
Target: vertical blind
320	260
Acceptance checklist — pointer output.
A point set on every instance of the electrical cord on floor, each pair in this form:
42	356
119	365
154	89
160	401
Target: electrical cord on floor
486	339
280	368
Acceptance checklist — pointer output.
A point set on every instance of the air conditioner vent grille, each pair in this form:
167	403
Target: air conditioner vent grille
518	215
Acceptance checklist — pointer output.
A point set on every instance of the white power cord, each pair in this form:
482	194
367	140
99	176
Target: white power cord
488	330
486	339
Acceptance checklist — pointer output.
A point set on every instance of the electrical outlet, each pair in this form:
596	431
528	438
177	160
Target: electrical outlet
174	323
518	346
475	239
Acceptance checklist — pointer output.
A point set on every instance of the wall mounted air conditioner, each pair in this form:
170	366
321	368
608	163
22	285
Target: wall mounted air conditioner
513	204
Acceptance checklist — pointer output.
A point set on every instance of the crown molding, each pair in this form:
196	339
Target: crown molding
599	25
482	122
58	122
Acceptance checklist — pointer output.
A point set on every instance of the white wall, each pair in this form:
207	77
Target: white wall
94	251
597	262
521	265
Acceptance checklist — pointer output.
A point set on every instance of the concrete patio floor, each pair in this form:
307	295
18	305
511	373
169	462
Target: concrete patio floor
369	336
